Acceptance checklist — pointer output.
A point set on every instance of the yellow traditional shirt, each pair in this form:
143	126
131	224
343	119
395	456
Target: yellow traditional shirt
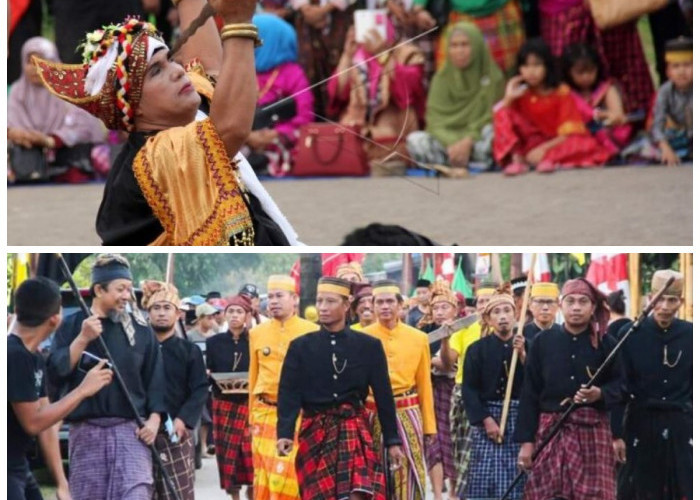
460	342
269	342
408	356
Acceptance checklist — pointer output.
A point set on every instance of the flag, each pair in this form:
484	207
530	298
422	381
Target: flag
445	266
482	267
20	270
608	272
428	273
580	258
460	283
541	272
330	262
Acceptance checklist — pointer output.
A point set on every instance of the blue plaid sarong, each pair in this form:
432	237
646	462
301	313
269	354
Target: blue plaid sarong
492	467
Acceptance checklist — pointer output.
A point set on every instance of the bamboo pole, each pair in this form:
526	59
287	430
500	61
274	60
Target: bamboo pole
635	289
514	357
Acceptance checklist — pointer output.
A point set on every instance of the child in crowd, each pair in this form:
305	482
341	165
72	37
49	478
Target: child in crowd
459	119
598	99
537	123
672	126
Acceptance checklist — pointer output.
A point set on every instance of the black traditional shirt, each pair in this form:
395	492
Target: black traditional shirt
618	326
558	364
186	378
140	365
658	366
224	355
531	330
486	367
323	370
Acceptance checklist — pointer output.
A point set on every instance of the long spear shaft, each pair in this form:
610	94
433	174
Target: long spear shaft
117	374
572	406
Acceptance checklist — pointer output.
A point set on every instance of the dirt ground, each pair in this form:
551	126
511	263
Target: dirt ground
613	206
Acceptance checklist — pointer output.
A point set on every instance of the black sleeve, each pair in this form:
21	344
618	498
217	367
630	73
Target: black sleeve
471	382
383	396
191	410
210	349
20	378
529	411
153	376
289	395
617	411
613	390
58	366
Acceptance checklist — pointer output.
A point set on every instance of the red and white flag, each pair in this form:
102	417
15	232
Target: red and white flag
445	266
541	273
609	272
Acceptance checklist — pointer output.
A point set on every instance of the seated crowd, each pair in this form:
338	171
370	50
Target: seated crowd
491	85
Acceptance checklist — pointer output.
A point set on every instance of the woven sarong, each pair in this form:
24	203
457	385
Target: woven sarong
178	460
233	443
274	476
659	456
108	461
459	431
440	449
578	464
503	31
409	480
336	456
492	467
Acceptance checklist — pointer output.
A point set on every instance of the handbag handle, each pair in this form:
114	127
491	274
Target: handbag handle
313	133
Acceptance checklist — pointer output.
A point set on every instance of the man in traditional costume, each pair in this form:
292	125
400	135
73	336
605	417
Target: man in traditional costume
275	478
186	390
350	271
109	455
422	293
328	375
439	453
493	455
408	356
579	462
362	306
229	352
180	179
544	304
452	352
657	364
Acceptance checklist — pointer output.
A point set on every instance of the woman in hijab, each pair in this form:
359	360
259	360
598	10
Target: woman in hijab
462	93
38	119
279	77
380	93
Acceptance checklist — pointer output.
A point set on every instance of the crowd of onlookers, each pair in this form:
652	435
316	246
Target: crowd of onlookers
445	86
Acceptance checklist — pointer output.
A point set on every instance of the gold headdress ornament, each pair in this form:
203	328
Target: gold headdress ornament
503	295
158	291
119	55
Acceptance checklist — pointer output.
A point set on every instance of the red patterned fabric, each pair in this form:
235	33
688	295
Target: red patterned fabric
336	456
620	50
233	443
578	464
515	133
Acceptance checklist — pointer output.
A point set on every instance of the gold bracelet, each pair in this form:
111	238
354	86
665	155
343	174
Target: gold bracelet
242	26
233	30
251	35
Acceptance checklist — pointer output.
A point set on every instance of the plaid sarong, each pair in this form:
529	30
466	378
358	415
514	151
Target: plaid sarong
233	443
504	33
178	459
274	476
459	431
492	467
578	464
336	456
620	50
440	449
108	461
409	480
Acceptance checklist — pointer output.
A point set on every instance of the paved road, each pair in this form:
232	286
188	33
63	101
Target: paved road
614	206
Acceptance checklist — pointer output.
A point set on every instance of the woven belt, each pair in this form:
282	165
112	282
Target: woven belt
406	400
266	401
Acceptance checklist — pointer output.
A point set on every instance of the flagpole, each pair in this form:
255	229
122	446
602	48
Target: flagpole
635	290
170	269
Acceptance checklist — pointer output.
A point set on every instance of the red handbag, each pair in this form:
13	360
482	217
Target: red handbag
330	149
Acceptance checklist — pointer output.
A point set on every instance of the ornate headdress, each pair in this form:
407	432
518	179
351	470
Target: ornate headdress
108	84
158	291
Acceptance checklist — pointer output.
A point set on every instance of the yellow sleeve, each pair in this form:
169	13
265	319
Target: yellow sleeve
252	372
425	391
455	342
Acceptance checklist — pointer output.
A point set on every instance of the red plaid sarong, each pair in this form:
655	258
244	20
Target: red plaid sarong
233	443
578	464
336	456
620	50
